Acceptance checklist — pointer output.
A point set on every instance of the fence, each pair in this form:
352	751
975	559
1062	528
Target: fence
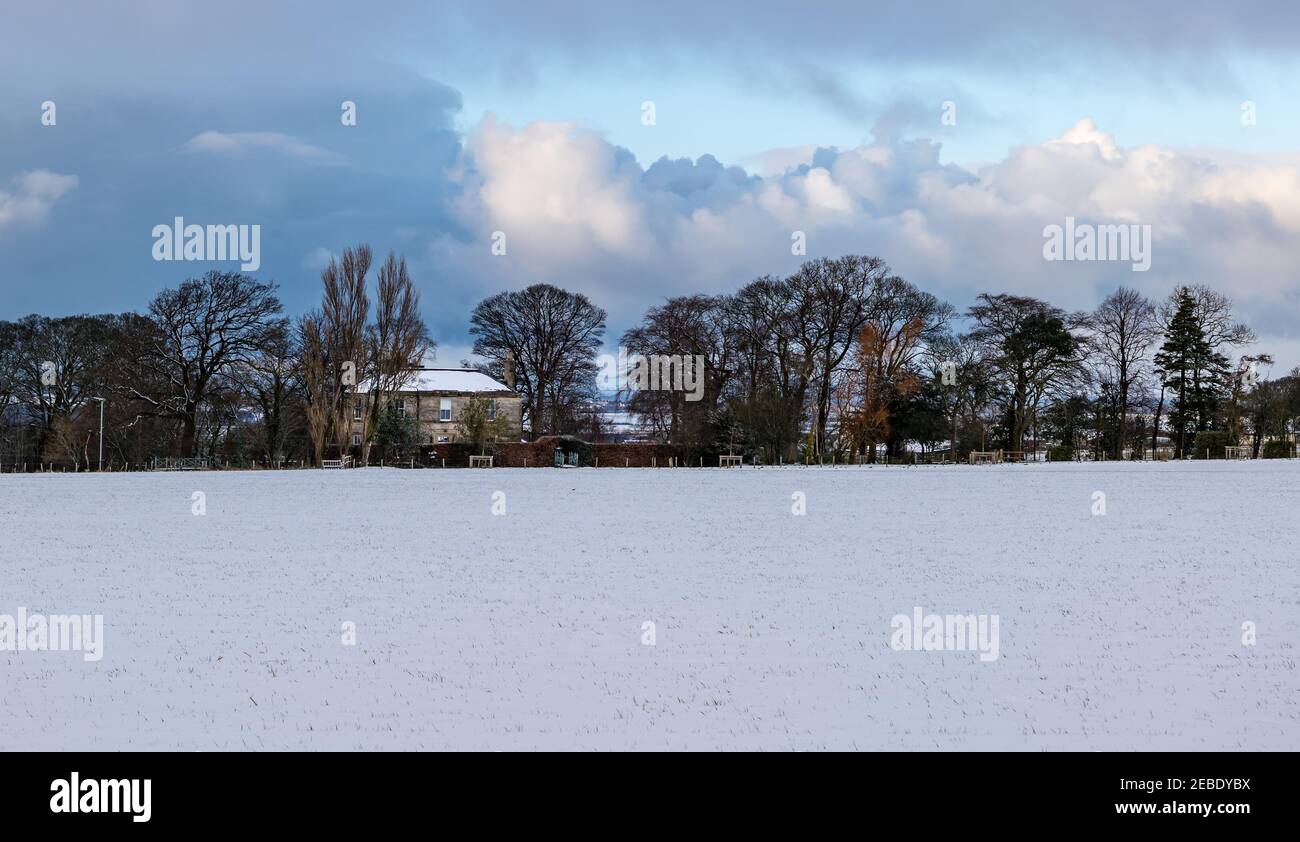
180	463
533	455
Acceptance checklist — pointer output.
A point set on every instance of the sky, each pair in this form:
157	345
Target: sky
634	151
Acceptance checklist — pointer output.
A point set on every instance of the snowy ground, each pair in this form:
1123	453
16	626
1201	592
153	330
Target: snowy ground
772	631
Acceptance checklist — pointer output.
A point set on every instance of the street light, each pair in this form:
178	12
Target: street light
101	432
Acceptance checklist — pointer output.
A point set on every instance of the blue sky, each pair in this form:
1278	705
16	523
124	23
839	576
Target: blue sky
485	117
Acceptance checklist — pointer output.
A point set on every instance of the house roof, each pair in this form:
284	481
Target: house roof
465	381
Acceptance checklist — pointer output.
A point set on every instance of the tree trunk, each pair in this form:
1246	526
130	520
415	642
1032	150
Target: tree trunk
189	432
1182	418
1123	421
539	411
1155	426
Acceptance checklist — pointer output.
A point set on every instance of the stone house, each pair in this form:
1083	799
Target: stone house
436	397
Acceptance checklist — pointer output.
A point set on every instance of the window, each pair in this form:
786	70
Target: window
492	410
444	409
401	407
356	439
442	440
358	410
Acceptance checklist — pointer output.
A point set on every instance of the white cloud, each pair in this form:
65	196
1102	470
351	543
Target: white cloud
235	143
317	259
32	194
555	191
776	161
581	213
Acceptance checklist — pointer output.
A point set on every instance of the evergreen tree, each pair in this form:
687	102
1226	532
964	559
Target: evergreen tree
397	435
1192	370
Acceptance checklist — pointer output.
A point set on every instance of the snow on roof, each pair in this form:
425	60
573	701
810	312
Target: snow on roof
447	380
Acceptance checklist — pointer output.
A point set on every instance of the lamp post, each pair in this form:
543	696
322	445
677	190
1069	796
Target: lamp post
101	431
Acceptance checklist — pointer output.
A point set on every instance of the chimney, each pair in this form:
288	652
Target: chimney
510	369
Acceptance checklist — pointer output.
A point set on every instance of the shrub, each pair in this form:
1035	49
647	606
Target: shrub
1211	441
1060	453
1276	450
456	454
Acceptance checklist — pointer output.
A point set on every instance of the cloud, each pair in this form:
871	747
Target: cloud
152	46
582	213
418	175
128	150
317	259
31	196
235	143
555	190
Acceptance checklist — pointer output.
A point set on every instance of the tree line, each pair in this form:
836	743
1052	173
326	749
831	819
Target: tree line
844	359
213	369
840	360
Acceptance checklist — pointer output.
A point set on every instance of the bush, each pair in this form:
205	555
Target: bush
1276	450
1060	453
455	453
1213	441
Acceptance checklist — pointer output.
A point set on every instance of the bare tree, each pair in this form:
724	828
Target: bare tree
345	310
965	394
1243	382
553	336
1214	315
318	383
833	300
1124	327
773	368
205	329
60	364
398	341
270	381
688	326
8	365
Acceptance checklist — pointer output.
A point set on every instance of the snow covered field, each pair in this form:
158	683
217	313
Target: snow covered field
772	631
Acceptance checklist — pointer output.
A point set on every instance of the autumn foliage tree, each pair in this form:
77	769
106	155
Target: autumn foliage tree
879	380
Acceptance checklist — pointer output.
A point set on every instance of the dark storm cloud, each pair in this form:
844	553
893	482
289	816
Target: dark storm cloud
278	159
68	39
